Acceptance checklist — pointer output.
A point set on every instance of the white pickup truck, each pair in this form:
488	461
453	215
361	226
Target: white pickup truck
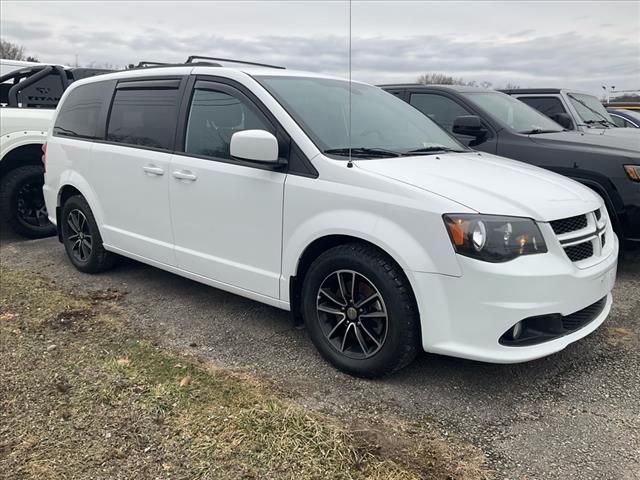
28	98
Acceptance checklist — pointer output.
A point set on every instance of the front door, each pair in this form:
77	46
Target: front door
226	215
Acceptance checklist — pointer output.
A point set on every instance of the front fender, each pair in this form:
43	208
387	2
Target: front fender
407	248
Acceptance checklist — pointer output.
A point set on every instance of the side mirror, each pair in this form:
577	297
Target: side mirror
563	119
254	146
469	125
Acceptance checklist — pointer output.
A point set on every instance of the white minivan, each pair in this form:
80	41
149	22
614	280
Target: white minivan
334	200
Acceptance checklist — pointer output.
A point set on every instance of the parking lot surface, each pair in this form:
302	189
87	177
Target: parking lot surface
574	415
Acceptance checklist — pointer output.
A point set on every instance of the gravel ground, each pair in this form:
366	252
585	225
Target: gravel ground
574	415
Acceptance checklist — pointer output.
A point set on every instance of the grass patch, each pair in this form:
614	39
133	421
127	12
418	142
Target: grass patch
82	396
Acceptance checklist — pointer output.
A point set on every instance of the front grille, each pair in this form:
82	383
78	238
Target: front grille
580	318
580	251
598	214
571	224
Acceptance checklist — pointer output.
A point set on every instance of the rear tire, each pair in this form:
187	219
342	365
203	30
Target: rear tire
360	311
81	237
22	202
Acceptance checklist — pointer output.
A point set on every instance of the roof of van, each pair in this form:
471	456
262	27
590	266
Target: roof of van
206	70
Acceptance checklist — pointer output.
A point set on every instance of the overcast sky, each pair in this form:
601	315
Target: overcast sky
571	44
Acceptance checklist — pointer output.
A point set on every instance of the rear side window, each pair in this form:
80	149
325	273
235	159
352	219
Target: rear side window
78	116
144	116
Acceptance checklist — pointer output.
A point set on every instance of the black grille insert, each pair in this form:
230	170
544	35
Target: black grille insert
580	318
571	224
580	251
598	214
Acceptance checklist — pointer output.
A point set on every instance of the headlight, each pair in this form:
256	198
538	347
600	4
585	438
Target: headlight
494	238
633	172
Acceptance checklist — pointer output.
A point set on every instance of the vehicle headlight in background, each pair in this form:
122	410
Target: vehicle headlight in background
633	172
493	238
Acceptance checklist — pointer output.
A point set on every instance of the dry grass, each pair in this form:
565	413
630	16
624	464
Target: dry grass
82	397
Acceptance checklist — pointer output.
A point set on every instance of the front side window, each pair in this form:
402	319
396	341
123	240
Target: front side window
439	108
547	105
590	110
621	122
78	116
214	117
512	113
144	117
343	118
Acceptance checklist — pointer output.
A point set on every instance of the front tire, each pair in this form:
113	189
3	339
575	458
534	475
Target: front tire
22	202
360	311
81	237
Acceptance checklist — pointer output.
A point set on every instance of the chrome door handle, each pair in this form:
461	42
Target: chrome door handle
153	170
184	175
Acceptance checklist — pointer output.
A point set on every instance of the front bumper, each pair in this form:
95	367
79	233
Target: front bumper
466	316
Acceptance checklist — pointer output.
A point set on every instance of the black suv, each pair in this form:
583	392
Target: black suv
496	123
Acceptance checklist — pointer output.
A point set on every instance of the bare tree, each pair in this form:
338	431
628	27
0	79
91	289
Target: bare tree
11	51
511	86
439	79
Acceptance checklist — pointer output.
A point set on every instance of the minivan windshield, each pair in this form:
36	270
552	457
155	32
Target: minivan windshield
513	113
381	124
590	110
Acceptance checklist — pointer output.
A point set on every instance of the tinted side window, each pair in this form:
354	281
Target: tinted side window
78	116
145	117
214	117
547	105
439	108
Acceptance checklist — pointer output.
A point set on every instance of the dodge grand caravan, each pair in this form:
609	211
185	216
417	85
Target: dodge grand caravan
334	200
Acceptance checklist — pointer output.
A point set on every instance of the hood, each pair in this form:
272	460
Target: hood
618	132
490	184
608	141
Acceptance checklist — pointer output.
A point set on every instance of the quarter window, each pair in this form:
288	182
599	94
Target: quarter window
214	117
78	116
145	117
439	108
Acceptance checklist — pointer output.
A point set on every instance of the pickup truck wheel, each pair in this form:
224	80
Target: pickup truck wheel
360	311
81	237
22	202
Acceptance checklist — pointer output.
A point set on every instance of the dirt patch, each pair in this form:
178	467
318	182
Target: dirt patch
84	396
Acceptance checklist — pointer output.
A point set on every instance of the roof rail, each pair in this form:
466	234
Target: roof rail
229	60
148	64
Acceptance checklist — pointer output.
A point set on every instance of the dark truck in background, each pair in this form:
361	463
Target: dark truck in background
28	97
497	123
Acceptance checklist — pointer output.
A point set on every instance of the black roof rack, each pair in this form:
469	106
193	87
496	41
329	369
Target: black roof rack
229	60
148	64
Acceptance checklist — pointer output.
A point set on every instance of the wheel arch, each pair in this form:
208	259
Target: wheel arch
21	154
74	184
316	248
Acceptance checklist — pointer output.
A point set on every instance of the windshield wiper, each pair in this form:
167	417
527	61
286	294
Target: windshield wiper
536	131
432	149
362	152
